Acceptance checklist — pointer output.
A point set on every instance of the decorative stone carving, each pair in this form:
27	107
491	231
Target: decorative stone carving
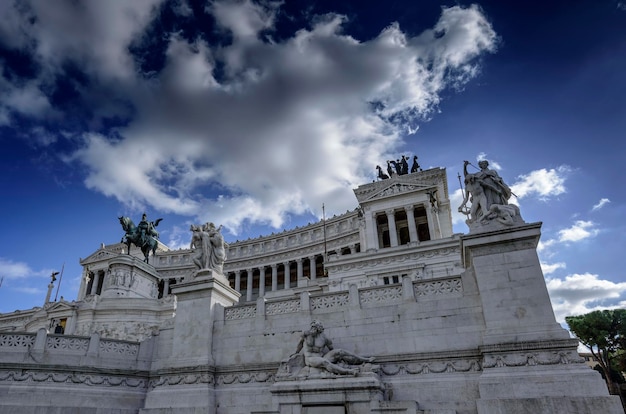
209	247
240	312
282	307
489	196
439	287
72	378
319	358
330	302
17	340
381	295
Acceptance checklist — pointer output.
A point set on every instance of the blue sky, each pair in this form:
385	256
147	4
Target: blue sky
254	114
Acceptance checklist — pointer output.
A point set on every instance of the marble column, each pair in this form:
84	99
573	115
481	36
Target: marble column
312	267
393	232
238	281
410	218
274	277
371	232
262	281
287	275
300	273
249	285
166	286
96	282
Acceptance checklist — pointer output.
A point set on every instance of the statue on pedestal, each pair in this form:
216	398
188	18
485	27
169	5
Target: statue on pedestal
489	196
145	236
209	246
318	352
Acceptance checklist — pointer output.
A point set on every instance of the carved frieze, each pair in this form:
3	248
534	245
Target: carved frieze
522	359
182	379
72	378
432	367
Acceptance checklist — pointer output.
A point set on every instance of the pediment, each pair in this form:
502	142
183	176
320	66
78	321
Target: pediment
392	189
98	256
59	307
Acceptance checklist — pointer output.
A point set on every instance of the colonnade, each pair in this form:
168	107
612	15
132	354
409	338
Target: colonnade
399	226
255	282
93	283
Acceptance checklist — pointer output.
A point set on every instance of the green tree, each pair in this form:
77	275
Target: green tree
604	334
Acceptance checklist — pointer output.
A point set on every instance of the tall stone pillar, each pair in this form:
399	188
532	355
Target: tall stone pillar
513	291
238	280
410	218
191	345
96	281
371	231
287	275
274	277
300	272
262	281
393	232
525	351
312	267
249	285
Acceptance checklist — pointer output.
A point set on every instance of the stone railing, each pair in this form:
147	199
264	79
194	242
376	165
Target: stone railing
42	342
407	291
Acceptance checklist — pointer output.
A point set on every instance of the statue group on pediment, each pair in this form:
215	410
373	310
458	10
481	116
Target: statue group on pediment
209	246
398	167
489	197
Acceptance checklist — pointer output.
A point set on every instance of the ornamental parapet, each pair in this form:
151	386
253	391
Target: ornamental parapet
406	291
30	348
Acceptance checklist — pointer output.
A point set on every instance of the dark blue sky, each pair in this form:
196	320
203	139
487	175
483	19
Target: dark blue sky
254	115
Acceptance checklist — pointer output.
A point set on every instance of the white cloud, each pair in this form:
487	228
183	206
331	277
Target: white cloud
580	230
286	126
544	183
290	128
548	268
543	245
19	270
600	204
582	293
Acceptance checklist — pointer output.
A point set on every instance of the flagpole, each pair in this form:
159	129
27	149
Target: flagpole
59	285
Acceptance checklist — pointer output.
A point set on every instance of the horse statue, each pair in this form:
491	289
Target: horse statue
143	236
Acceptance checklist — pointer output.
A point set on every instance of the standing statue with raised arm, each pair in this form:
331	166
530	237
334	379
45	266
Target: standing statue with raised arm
489	196
496	191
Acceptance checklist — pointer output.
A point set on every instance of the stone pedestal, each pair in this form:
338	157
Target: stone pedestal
530	363
185	382
515	300
193	326
341	394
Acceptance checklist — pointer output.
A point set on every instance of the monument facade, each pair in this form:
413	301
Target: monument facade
379	310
